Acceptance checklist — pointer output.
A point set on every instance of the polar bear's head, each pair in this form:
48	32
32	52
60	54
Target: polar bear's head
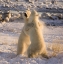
34	20
34	16
26	15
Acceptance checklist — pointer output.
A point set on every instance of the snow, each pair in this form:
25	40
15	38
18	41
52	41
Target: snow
10	31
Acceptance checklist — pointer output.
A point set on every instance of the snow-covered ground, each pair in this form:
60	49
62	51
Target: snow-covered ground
9	33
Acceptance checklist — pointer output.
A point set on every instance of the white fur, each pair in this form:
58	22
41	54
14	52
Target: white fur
37	46
24	39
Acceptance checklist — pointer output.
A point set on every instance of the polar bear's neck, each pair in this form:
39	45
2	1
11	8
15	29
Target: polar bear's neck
26	21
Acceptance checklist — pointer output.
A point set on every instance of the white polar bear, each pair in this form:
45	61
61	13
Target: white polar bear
24	39
37	46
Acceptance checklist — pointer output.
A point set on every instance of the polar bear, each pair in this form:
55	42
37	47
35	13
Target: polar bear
24	39
37	46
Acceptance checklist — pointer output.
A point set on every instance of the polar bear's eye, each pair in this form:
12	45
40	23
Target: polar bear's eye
25	14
